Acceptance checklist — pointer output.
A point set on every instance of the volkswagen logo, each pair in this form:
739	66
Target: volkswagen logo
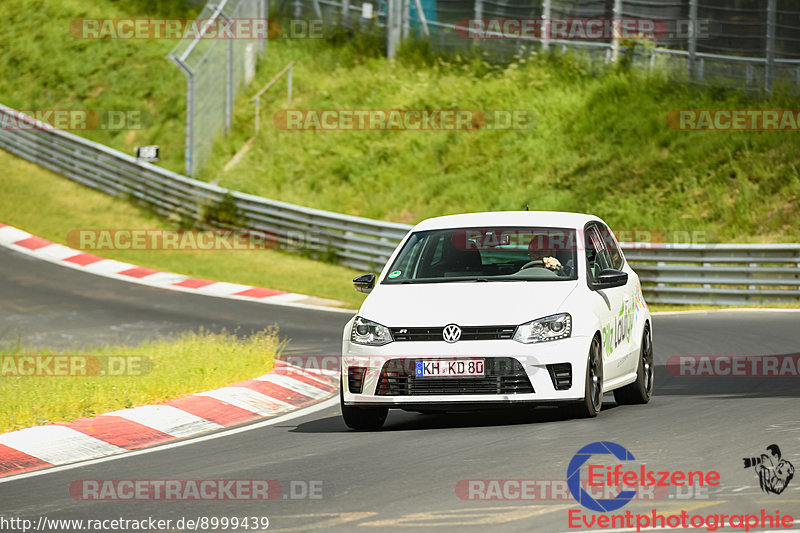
451	333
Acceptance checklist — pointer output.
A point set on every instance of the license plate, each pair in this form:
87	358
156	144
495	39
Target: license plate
450	367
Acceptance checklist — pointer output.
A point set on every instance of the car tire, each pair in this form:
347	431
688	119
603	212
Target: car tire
593	385
640	391
361	418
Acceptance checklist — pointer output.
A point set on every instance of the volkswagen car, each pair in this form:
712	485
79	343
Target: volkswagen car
498	310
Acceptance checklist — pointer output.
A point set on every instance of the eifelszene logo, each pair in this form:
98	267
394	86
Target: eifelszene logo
774	473
635	478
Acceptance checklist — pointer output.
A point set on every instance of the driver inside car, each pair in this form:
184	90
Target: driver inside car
542	254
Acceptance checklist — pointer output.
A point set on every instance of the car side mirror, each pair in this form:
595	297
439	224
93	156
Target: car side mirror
610	278
366	282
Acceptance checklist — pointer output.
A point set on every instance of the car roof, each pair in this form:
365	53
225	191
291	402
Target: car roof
536	219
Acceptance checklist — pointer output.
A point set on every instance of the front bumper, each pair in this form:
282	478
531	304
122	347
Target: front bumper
533	358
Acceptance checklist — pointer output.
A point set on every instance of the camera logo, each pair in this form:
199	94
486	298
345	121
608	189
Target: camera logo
774	473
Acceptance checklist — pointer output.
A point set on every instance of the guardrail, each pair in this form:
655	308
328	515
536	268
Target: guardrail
670	273
724	274
356	242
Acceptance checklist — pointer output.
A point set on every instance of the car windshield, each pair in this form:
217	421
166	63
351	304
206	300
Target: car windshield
482	254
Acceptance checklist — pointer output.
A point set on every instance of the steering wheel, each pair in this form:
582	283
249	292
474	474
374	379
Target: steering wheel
530	264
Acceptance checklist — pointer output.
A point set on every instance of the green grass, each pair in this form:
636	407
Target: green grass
45	204
189	363
601	145
42	66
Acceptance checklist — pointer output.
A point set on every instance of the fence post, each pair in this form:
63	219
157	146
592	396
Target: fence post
616	16
263	14
478	9
546	14
258	112
423	20
188	150
769	76
345	13
692	44
406	12
393	26
298	9
229	87
289	88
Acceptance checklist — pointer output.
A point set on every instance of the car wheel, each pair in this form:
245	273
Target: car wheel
361	418
593	387
641	390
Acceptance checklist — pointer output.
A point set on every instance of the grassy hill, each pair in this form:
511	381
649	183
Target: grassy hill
600	143
42	66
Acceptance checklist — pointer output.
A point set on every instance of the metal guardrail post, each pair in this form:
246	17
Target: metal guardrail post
769	74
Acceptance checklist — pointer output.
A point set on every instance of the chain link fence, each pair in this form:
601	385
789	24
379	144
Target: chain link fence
215	67
745	44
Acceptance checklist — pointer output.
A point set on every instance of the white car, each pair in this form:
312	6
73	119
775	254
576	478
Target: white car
502	309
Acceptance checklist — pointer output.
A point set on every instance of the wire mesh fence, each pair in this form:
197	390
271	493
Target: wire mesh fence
746	44
216	65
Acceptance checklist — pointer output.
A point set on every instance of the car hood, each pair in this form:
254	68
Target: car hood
465	303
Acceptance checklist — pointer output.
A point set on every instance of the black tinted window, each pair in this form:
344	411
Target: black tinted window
483	254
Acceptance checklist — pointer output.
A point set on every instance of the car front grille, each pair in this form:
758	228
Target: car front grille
504	375
468	333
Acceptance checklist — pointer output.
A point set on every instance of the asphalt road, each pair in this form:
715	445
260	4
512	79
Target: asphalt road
404	478
49	305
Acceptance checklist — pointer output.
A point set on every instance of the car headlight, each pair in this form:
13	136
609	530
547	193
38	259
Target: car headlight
549	328
370	333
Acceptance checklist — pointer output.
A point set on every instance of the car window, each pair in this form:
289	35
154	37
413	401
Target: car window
597	257
610	244
405	261
486	254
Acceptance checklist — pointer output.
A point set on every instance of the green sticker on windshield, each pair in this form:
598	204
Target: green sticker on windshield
395	273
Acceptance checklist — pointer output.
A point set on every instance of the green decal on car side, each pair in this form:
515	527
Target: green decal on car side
395	273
